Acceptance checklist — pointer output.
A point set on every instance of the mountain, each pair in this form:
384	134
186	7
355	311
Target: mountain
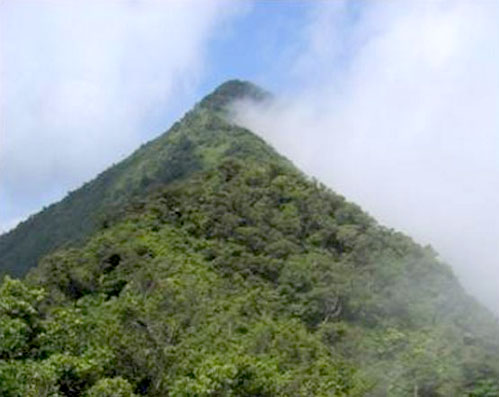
195	143
206	264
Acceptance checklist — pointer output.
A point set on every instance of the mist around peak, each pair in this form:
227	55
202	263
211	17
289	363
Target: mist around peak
407	128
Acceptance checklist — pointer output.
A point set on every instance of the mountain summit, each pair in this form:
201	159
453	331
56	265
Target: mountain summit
194	143
233	90
206	264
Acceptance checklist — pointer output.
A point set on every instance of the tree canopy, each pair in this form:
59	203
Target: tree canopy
235	275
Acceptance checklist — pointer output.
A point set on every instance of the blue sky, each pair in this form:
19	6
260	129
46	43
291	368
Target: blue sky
256	45
393	104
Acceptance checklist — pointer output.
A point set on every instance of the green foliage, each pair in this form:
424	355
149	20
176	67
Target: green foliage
197	142
485	388
229	376
235	276
111	387
19	318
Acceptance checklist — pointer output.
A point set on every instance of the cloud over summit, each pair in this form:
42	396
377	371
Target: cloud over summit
396	107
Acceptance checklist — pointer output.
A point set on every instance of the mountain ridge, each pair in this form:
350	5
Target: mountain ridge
114	188
230	272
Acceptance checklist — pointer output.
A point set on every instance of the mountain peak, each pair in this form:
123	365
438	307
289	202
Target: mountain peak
232	90
205	245
199	141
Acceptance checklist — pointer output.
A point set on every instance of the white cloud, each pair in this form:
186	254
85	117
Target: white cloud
80	79
397	109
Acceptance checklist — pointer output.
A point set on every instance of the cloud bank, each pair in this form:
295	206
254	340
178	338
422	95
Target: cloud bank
80	80
395	106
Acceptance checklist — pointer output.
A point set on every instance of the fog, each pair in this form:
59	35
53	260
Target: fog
395	105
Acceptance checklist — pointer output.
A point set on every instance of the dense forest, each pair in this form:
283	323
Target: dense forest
206	264
187	147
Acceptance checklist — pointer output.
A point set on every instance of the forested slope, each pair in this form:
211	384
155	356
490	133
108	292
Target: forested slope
190	145
243	278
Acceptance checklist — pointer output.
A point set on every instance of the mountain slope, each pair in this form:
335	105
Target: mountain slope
242	278
190	145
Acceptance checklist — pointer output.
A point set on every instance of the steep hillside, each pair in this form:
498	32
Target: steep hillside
194	143
242	277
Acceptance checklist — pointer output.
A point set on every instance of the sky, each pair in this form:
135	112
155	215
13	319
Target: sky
392	104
